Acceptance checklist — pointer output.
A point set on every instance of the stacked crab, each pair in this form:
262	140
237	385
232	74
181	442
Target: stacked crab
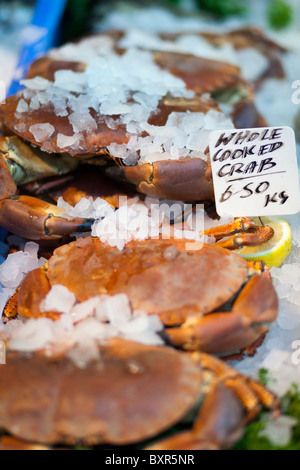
112	117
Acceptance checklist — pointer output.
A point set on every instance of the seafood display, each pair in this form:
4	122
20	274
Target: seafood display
115	335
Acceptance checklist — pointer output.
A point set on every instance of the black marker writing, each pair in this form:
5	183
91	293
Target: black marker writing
281	198
241	168
238	138
269	148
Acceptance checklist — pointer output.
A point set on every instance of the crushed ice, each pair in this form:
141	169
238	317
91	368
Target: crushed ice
82	326
126	90
15	268
184	135
135	219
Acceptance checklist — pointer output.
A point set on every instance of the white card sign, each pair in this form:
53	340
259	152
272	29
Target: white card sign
255	171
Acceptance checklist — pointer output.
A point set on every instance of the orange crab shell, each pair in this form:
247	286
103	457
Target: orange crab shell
93	143
200	74
202	294
131	393
186	285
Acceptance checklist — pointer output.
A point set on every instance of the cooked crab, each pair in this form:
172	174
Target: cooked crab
208	297
129	395
43	115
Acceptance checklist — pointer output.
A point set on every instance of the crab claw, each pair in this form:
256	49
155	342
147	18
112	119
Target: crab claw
229	332
167	179
34	219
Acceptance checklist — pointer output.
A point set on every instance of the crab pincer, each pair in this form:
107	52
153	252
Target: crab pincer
38	220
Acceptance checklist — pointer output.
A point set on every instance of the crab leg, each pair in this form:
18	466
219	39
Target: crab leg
26	216
35	219
257	237
241	232
10	311
258	267
228	374
240	224
232	400
229	332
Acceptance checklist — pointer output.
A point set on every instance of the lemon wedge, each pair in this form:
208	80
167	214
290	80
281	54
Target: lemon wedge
275	251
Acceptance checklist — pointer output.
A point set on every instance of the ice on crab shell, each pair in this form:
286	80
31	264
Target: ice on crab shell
64	141
114	309
18	264
83	354
143	328
22	106
81	121
85	309
37	84
70	81
42	131
87	208
118	150
198	141
82	326
59	299
32	335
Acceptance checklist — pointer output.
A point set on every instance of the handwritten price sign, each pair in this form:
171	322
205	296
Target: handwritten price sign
255	171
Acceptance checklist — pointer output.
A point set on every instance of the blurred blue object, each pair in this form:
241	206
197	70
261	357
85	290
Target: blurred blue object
3	246
42	34
3	251
3	234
